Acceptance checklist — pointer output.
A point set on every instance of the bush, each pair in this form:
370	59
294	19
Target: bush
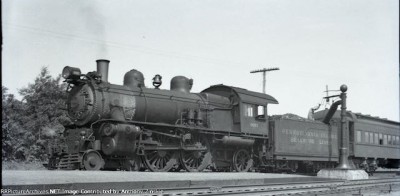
27	125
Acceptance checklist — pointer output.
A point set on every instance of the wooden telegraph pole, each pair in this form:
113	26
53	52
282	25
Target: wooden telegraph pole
264	73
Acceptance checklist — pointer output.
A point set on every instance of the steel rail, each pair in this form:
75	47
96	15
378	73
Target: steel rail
314	188
331	187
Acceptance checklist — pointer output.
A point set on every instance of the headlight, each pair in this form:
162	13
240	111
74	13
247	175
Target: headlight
71	73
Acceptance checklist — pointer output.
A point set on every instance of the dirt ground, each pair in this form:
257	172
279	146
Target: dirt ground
17	177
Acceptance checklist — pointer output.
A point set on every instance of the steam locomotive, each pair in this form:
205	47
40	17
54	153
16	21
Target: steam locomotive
222	128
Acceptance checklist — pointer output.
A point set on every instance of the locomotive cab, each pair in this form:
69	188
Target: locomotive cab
249	109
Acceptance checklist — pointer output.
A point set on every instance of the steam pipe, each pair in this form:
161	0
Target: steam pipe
331	111
102	69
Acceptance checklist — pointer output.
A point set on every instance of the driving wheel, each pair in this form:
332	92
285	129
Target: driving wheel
160	160
196	160
242	161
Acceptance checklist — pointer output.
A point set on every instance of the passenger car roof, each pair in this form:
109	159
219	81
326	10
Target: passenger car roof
319	115
243	94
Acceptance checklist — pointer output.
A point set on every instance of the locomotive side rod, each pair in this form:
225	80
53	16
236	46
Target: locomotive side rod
187	148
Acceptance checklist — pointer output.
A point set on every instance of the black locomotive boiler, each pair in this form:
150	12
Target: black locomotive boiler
223	128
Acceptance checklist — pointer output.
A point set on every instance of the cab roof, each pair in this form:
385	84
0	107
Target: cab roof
243	94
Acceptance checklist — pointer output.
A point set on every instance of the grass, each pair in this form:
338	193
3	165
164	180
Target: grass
14	165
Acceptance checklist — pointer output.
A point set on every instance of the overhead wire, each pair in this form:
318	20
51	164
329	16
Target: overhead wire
141	49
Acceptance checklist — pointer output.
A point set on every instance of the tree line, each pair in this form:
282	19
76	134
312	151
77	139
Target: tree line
29	123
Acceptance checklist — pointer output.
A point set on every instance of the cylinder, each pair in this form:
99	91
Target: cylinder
102	69
108	130
119	139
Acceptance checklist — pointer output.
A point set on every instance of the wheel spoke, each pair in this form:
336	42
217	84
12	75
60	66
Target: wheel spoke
195	160
242	161
153	157
197	163
160	161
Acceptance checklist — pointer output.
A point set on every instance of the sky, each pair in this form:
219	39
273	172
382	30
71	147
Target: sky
314	43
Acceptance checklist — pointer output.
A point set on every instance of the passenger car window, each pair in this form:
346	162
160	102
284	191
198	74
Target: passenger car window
371	138
376	138
384	139
366	137
380	139
358	136
389	140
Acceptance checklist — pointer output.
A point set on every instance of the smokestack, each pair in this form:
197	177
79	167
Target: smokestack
102	69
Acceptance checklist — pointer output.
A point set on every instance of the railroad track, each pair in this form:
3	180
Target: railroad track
356	187
320	187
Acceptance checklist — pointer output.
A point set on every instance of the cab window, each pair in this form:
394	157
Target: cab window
248	110
260	110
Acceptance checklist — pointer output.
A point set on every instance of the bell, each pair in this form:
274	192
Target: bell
157	81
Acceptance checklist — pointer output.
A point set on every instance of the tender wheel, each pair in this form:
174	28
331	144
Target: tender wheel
196	160
160	160
293	166
92	160
242	161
